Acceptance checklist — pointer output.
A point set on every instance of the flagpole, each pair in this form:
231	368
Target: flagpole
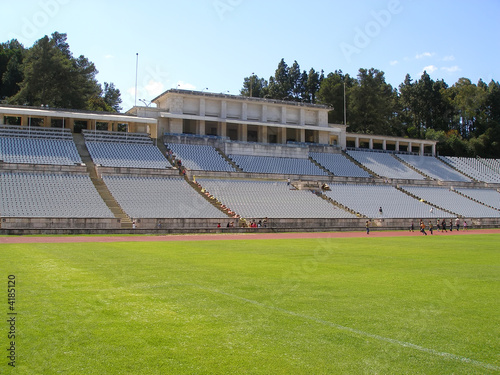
136	69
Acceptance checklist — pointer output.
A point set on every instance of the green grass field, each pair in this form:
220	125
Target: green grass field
419	305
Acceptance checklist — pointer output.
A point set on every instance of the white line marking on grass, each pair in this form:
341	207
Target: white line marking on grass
360	333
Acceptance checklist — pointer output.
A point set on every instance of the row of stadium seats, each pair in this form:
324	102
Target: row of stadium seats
119	149
50	195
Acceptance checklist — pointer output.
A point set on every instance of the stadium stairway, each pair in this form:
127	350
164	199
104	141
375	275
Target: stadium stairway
422	200
320	166
360	165
427	177
102	189
229	160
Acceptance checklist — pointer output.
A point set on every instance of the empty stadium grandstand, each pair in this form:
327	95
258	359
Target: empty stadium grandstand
277	165
120	149
50	195
159	197
433	167
200	157
272	199
384	165
479	169
368	199
451	201
113	178
339	165
37	146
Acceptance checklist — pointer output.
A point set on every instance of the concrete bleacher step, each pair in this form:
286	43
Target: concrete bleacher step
198	190
227	159
427	177
320	166
341	206
360	165
429	203
102	189
458	170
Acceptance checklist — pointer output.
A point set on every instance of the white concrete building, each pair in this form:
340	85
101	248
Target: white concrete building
246	119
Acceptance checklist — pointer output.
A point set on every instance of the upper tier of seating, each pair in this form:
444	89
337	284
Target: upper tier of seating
272	199
478	169
368	199
131	155
200	157
39	151
121	137
339	165
50	195
159	197
433	167
385	165
274	165
35	132
451	201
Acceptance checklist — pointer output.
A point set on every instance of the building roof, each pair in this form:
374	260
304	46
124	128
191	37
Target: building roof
16	110
240	97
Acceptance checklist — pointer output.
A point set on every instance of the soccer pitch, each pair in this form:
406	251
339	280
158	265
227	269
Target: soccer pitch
409	305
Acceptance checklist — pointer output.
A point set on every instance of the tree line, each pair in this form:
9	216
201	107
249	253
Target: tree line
47	74
464	117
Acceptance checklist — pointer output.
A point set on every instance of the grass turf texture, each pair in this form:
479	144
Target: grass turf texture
420	305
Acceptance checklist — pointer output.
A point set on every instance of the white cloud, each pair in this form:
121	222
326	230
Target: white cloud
449	58
154	88
394	62
430	69
451	69
423	55
108	57
185	86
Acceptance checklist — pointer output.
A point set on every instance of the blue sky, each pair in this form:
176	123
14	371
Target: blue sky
213	44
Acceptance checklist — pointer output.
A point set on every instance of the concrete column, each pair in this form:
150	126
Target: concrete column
244	133
69	123
283	115
356	142
302	117
370	144
2	119
264	113
223	109
433	149
244	111
282	135
302	135
202	107
222	129
410	147
176	125
201	128
421	149
47	122
397	146
384	145
263	134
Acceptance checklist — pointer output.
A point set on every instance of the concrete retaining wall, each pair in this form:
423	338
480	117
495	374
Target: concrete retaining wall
26	223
